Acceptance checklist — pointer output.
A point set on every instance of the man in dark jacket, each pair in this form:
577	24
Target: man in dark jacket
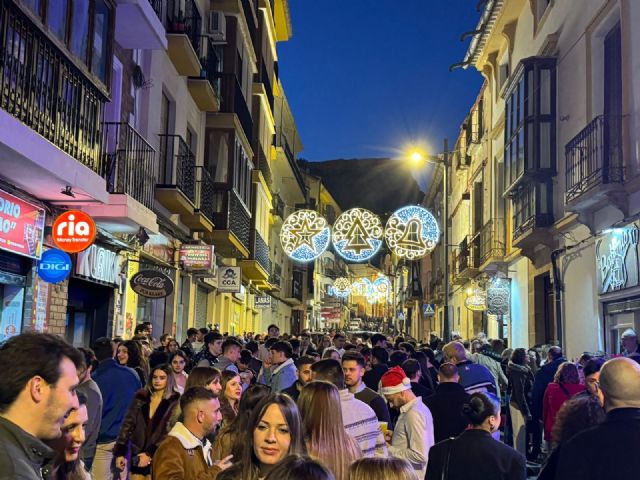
38	392
303	366
543	378
187	346
446	404
353	367
608	450
379	360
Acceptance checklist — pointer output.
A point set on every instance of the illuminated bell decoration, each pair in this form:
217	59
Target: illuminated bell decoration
476	300
412	232
305	235
341	287
357	234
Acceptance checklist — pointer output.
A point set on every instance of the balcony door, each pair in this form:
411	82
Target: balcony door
612	104
165	107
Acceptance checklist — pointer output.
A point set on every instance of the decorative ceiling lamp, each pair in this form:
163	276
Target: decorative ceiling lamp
305	235
357	235
412	232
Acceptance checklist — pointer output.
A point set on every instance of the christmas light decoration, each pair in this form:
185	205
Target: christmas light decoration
412	232
357	234
499	296
382	287
304	235
476	300
342	287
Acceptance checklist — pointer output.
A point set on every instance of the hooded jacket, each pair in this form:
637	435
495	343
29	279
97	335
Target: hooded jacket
182	456
520	385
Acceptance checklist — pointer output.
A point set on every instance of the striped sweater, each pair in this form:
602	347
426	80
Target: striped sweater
361	422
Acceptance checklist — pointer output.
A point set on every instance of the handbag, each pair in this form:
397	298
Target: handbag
445	467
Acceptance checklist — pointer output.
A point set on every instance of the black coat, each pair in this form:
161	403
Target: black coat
476	455
373	376
446	409
520	385
543	378
604	452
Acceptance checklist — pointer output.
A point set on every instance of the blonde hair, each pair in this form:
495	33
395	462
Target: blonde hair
377	468
325	436
454	351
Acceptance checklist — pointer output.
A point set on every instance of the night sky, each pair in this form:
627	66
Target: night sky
366	78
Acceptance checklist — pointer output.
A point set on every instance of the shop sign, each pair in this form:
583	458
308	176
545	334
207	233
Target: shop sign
229	279
499	296
617	259
54	266
21	226
41	305
197	257
73	231
98	263
151	284
262	301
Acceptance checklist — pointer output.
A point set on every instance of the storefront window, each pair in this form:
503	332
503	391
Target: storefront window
11	305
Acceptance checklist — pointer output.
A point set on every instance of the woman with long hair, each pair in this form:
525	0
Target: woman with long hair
376	468
66	464
274	431
299	467
146	423
130	354
324	433
178	362
566	383
230	396
475	453
520	386
207	377
226	442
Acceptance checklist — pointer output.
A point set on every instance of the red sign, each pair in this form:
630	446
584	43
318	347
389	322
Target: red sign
74	231
21	226
197	257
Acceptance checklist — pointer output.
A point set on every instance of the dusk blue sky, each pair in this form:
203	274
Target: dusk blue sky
365	78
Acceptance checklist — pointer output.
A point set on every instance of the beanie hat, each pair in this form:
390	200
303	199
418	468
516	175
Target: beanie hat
394	381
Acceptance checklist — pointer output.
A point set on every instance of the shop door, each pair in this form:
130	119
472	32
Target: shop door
88	311
201	307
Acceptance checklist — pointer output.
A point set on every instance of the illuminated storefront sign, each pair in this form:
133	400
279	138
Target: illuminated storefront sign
197	257
617	259
499	296
73	231
21	226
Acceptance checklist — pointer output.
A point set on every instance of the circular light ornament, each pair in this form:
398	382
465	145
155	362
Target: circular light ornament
412	232
342	287
476	300
382	287
357	234
305	235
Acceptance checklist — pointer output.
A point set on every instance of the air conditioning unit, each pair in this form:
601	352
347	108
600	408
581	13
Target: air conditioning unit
217	26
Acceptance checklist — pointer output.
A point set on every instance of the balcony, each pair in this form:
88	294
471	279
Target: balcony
532	217
130	164
258	267
176	187
201	220
595	170
468	257
50	114
264	79
276	277
492	245
139	24
278	206
233	101
205	88
184	27
233	225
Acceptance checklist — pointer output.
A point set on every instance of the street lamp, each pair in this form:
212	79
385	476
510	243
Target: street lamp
419	157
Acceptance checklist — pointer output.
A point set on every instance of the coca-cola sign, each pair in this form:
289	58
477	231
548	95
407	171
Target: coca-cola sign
151	284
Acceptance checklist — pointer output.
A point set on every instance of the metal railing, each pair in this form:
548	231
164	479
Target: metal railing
264	78
233	101
206	194
45	91
210	63
492	240
157	7
239	219
179	165
468	255
129	162
525	211
183	17
278	206
261	251
594	156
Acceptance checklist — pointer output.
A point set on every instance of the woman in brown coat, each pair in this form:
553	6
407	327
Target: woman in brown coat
146	423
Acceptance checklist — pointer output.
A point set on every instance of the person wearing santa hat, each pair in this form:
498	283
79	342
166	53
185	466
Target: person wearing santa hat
413	434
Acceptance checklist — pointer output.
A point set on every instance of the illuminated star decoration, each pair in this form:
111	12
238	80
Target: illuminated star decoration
342	287
412	232
304	235
357	235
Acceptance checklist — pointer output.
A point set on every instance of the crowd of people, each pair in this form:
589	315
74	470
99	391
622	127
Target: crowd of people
313	407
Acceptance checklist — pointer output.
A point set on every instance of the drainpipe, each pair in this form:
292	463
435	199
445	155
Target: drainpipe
558	287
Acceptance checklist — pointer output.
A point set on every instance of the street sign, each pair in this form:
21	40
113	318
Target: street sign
229	279
428	309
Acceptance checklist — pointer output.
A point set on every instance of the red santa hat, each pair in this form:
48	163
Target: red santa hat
394	381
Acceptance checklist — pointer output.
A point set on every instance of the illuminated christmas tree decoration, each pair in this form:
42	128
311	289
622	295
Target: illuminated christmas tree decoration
357	234
476	300
412	232
304	235
342	287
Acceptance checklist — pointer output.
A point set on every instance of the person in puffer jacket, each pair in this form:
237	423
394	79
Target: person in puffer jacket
520	386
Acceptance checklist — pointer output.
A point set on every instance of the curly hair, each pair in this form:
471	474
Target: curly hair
575	415
567	373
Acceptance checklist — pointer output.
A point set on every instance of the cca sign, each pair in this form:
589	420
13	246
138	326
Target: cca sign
74	231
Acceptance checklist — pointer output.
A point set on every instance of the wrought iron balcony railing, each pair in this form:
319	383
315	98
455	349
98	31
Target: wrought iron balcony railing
233	101
468	256
230	214
594	156
129	162
261	251
278	206
43	89
210	63
492	240
157	7
267	84
206	194
183	17
177	165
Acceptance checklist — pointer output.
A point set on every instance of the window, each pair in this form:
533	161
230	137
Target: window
80	29
532	207
530	121
100	45
216	154
57	18
33	5
242	174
